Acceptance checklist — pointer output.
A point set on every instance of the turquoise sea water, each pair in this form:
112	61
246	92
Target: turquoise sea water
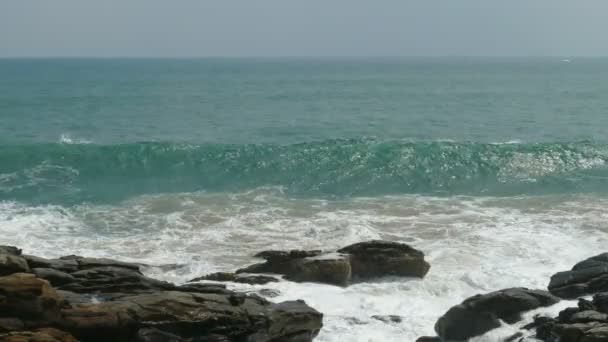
106	129
489	166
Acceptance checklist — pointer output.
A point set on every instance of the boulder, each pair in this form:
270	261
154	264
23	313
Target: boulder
10	264
482	313
189	315
302	266
363	261
587	277
373	259
26	297
10	250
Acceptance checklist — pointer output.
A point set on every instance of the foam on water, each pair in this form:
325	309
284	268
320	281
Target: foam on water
473	244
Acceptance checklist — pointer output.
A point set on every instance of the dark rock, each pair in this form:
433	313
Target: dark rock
66	266
359	262
584	304
86	263
565	315
191	315
600	302
10	250
514	337
10	264
375	259
482	313
39	335
329	269
8	324
55	277
238	278
587	277
388	318
429	339
290	321
538	321
113	279
588	316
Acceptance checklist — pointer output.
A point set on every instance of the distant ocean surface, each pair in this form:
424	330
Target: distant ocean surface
488	165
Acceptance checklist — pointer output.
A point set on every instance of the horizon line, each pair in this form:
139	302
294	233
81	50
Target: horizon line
291	56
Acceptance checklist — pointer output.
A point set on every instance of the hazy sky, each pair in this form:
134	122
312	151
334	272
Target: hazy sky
303	27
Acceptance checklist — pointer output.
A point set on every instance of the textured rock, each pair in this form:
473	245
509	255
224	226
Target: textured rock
377	258
482	313
26	297
39	335
363	261
238	278
66	266
189	315
587	277
10	250
10	264
55	277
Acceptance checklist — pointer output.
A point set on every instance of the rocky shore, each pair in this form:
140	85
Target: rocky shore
75	298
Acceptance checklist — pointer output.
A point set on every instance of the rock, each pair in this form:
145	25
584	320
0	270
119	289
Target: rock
429	339
303	266
376	258
290	321
514	337
29	298
588	316
86	263
482	313
66	266
192	315
11	324
388	318
600	302
55	277
363	261
587	277
10	250
39	335
10	264
110	279
238	278
333	269
99	300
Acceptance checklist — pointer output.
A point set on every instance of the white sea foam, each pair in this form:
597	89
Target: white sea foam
474	245
68	139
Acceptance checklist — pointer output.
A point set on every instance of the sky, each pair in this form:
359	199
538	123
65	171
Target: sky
238	28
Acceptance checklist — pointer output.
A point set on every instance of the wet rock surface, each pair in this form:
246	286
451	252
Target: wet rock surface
366	261
482	313
87	299
587	277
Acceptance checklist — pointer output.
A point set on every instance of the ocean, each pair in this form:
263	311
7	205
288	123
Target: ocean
494	167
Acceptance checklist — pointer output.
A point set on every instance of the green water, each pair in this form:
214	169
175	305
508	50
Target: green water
77	130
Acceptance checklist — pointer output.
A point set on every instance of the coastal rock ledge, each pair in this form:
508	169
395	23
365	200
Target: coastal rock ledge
360	262
98	300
